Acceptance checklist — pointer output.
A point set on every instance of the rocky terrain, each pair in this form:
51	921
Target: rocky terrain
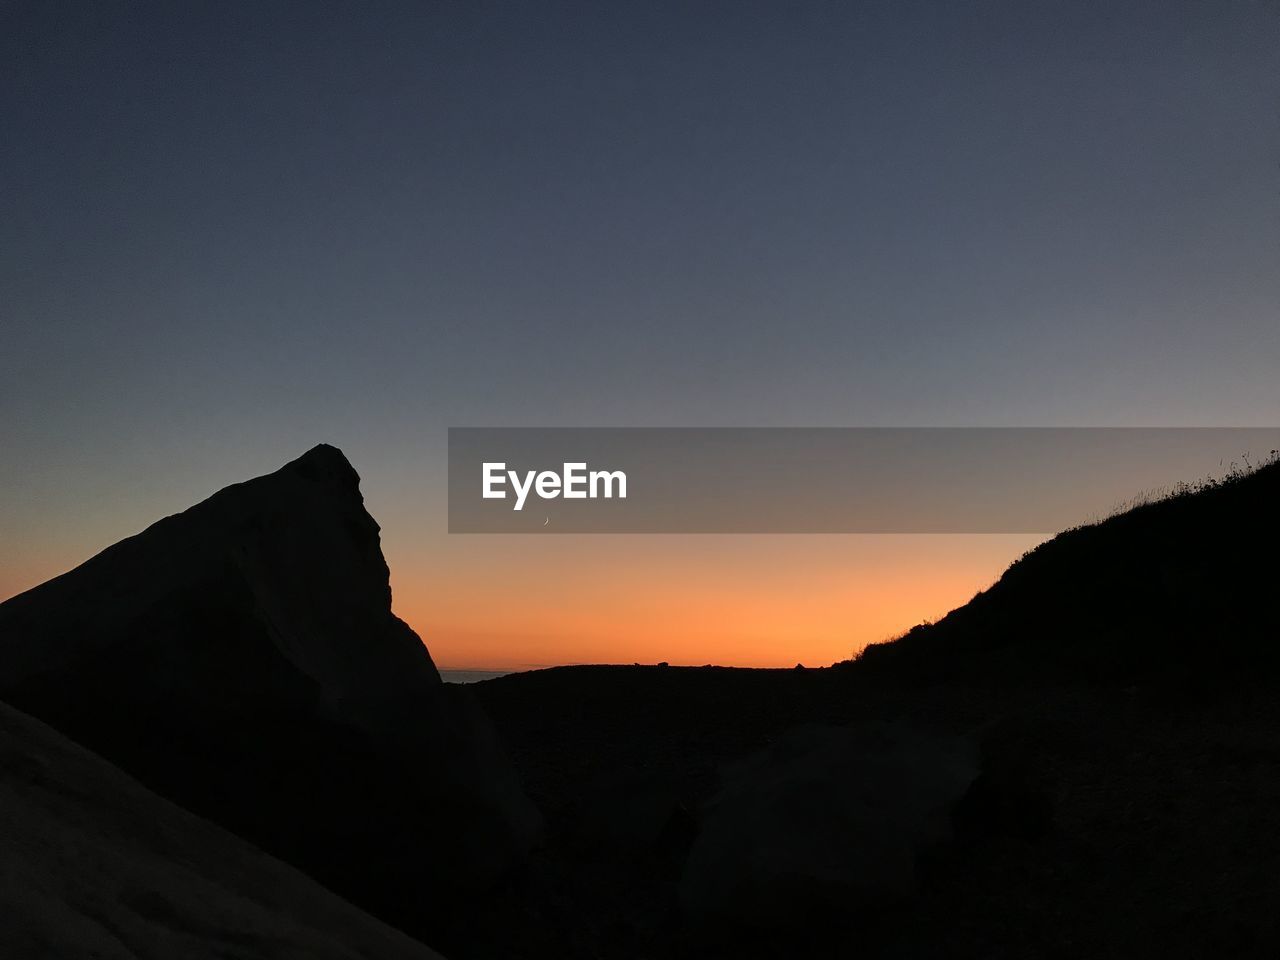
1082	761
1117	687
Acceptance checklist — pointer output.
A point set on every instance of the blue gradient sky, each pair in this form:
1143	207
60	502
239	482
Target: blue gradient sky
230	231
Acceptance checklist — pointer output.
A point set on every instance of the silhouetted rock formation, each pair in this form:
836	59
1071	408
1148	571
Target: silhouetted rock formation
823	825
242	659
92	864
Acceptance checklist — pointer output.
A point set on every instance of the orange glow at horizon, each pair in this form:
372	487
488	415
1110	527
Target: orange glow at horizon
518	602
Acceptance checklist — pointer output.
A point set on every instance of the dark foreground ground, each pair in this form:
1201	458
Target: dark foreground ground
1145	822
1120	681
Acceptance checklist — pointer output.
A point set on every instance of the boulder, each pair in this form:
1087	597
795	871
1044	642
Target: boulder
241	659
822	824
634	815
92	864
1010	796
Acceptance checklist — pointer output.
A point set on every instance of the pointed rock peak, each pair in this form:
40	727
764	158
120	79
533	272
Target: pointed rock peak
324	462
241	658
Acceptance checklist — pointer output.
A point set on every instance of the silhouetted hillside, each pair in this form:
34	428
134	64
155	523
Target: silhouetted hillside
1183	588
1116	810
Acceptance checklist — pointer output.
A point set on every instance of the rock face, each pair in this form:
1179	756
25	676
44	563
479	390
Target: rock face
824	823
241	659
92	864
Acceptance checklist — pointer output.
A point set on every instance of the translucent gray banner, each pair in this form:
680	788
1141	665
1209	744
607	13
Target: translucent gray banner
823	480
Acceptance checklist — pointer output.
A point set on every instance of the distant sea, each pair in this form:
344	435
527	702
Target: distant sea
470	676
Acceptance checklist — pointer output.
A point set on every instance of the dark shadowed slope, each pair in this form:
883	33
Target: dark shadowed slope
1183	588
241	658
1119	682
92	864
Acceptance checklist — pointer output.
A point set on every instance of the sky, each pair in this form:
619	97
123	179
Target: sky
231	231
